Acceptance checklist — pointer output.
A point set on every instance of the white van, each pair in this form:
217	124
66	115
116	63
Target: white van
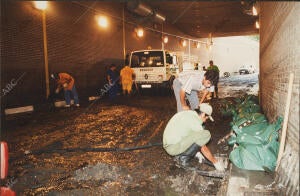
154	68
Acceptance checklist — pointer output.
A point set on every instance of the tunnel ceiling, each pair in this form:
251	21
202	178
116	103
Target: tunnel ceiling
199	19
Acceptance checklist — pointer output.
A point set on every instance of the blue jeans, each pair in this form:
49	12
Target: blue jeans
113	91
193	97
68	95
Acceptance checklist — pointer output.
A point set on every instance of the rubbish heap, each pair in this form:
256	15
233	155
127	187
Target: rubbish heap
255	140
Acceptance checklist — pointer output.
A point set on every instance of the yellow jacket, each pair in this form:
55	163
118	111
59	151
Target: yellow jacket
126	75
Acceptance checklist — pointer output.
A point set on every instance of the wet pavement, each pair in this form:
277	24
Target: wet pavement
96	149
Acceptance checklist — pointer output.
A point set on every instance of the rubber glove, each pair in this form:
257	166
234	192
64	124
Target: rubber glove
219	166
200	157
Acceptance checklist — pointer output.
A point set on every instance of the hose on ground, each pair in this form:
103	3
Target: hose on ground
86	149
90	149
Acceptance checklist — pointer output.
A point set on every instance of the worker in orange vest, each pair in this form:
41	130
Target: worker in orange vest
66	82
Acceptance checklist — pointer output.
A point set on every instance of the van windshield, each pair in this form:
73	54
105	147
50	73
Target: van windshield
147	59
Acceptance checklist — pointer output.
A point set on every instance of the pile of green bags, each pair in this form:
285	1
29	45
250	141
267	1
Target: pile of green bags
256	139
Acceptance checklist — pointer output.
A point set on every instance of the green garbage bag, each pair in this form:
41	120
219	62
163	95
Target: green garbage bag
244	159
271	132
248	118
253	129
238	100
252	98
226	112
255	157
257	117
260	133
232	140
257	150
249	136
250	107
267	154
228	108
248	139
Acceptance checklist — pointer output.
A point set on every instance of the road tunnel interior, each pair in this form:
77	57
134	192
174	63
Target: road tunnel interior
73	37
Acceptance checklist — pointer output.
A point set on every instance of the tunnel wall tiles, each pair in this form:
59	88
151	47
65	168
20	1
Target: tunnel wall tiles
76	44
279	56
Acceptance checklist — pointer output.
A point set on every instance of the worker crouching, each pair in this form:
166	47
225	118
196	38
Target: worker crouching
185	138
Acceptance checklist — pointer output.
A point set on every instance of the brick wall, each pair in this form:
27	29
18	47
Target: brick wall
76	44
279	56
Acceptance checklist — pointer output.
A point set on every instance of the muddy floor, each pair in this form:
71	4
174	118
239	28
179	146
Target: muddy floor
109	149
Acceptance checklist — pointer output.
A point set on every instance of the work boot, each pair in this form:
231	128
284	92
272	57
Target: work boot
181	160
184	158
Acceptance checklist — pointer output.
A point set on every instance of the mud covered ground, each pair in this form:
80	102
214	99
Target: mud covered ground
84	151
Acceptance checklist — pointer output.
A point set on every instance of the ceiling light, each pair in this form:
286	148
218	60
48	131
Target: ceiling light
166	39
184	43
257	24
254	10
140	32
41	5
198	45
102	21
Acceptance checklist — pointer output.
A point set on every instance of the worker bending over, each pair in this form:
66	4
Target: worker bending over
66	82
188	84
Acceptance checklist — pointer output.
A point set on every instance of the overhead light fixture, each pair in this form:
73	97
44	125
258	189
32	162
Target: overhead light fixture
183	43
158	17
144	10
198	45
140	32
254	10
102	21
257	24
165	39
139	8
41	5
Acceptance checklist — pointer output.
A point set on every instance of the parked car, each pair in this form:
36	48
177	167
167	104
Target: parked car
226	74
246	69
